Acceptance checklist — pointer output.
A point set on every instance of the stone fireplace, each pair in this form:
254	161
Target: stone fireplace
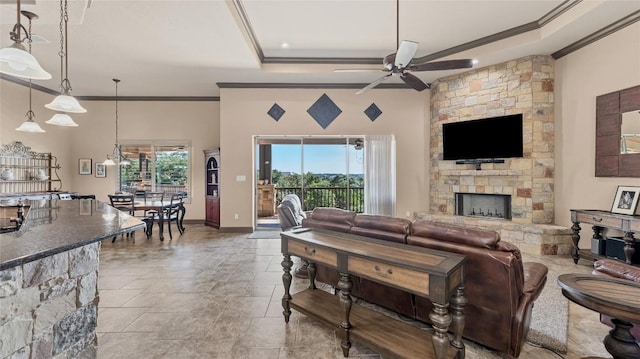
522	86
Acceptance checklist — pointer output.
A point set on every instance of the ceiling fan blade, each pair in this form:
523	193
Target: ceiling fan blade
442	65
413	81
373	84
405	53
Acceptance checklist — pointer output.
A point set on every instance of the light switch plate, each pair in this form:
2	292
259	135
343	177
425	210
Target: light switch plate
241	178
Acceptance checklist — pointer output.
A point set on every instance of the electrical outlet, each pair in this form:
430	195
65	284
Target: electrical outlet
235	216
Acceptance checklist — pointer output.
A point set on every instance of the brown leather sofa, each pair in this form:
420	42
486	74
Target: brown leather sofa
501	289
613	268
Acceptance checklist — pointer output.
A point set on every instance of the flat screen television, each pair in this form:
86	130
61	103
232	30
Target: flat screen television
488	138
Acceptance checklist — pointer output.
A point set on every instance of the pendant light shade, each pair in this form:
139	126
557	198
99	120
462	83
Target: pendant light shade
16	61
116	156
62	119
65	103
30	126
108	161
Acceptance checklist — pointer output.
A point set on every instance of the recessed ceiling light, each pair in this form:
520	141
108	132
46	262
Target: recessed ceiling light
284	45
475	61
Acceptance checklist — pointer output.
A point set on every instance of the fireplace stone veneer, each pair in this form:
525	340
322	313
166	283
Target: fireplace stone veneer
521	86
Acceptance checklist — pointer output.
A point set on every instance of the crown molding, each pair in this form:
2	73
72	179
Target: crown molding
249	85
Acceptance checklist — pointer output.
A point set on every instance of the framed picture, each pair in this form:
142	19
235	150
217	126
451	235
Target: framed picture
84	166
626	200
101	170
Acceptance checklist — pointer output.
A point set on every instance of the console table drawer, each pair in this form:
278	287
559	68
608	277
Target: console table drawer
313	253
390	274
602	221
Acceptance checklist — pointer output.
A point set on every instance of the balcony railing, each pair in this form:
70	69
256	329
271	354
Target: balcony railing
349	198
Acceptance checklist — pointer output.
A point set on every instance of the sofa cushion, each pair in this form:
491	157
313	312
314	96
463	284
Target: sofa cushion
457	234
617	269
334	219
381	227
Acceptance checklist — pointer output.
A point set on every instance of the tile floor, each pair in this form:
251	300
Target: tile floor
211	295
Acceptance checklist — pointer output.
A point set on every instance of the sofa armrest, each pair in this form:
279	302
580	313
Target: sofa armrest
535	277
617	269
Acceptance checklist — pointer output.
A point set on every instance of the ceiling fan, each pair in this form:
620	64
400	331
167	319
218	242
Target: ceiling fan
399	63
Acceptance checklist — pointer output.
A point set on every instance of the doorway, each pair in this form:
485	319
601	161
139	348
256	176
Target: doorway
321	171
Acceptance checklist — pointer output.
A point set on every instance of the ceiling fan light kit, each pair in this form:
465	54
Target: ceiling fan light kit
16	61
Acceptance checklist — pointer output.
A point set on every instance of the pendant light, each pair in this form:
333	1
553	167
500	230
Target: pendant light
64	102
16	61
116	156
30	125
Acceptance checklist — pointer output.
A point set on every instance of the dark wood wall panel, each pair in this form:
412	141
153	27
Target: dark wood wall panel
608	145
608	125
607	166
629	165
608	104
630	99
609	109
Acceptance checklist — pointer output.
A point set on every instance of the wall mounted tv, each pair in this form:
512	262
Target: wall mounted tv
487	138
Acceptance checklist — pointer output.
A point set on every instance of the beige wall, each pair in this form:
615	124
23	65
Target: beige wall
243	114
607	65
196	121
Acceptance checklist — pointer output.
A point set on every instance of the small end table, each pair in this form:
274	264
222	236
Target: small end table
615	297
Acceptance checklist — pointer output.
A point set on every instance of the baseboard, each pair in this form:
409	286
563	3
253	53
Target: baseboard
235	230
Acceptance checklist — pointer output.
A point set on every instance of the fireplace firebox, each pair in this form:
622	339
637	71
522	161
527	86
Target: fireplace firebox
483	205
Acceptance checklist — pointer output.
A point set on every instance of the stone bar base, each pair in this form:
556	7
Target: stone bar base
48	307
537	239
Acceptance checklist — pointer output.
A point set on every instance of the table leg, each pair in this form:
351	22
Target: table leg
575	237
161	223
287	263
441	320
345	286
458	301
311	273
620	343
628	247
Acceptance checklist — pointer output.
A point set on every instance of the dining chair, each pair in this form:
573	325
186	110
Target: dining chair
174	213
150	197
126	203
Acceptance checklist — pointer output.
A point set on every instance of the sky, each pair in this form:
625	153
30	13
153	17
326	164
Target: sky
317	159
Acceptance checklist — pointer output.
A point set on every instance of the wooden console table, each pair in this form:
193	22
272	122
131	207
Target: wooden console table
600	220
436	275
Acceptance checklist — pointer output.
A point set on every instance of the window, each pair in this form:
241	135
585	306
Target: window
156	166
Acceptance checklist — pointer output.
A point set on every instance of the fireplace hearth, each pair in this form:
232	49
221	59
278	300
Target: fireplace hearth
483	205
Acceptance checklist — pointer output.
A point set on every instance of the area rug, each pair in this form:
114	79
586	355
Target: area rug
550	317
264	235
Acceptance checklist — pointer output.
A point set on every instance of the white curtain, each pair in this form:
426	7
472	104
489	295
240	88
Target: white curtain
380	175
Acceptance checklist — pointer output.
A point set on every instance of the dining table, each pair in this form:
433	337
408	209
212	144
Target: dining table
160	207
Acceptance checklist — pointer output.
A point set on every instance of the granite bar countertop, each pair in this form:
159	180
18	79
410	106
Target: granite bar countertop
55	226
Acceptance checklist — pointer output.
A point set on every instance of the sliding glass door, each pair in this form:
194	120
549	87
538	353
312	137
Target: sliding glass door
322	171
